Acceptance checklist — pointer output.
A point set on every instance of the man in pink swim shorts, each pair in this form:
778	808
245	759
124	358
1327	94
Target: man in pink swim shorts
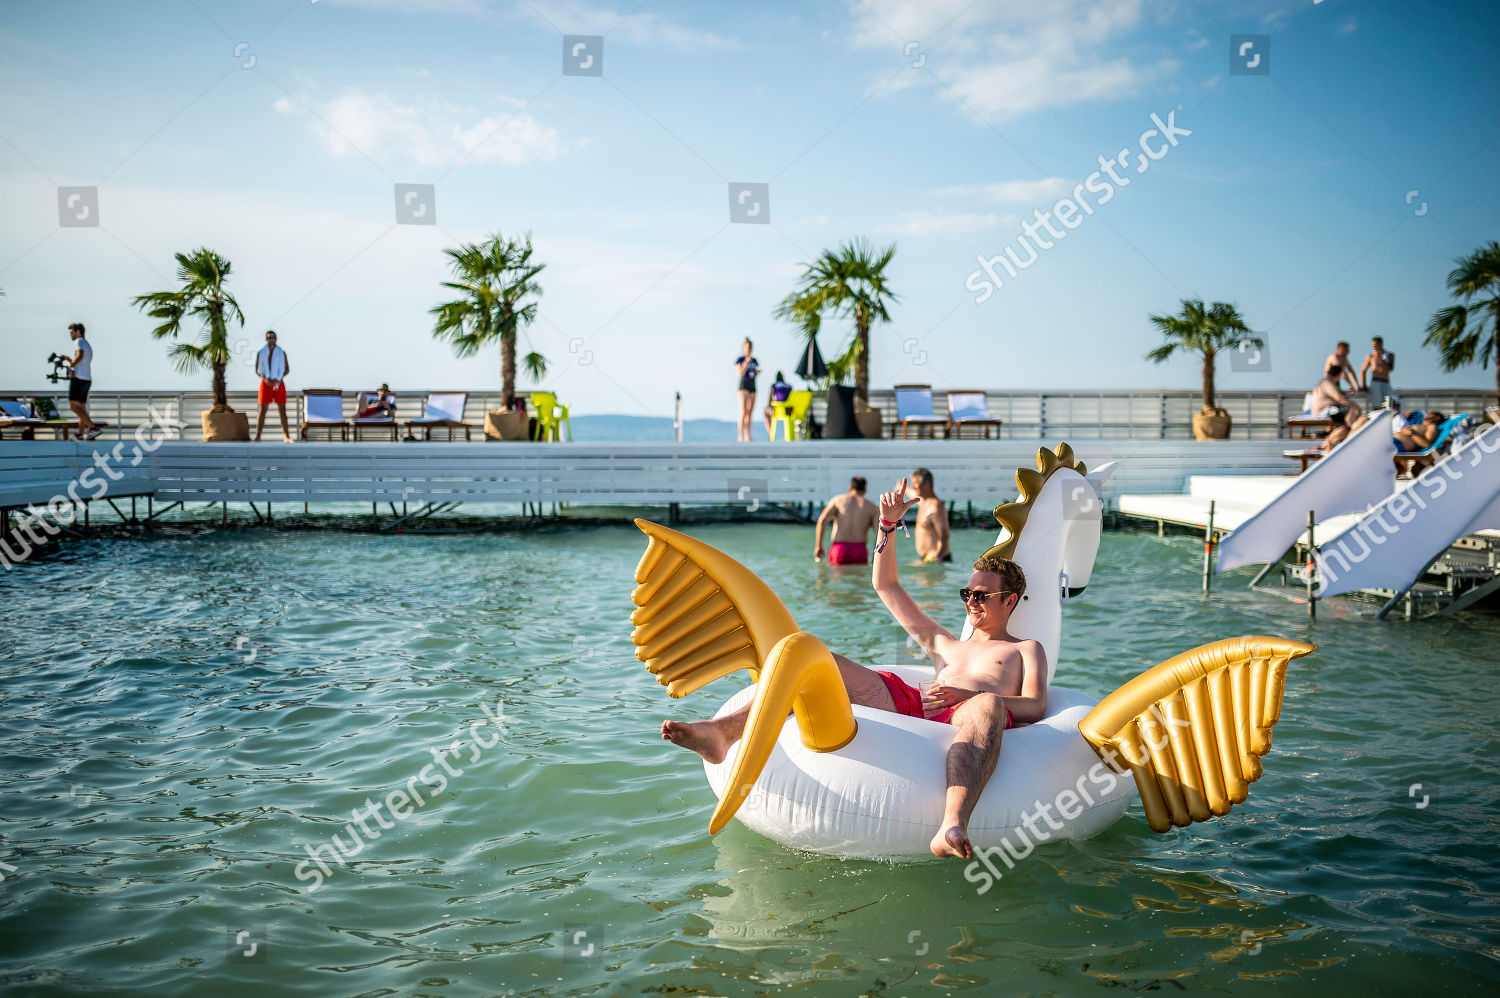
853	518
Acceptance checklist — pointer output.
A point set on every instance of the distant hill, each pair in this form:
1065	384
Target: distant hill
640	429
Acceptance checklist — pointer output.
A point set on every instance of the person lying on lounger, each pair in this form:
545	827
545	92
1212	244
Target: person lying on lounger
377	404
1420	436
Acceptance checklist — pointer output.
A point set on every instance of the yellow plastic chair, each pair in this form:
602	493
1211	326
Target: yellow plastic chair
791	414
550	416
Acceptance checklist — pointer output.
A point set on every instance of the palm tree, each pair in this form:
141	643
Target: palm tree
1205	330
203	274
1449	331
494	279
849	282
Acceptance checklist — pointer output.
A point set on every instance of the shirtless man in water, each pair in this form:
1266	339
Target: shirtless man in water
853	518
931	538
985	685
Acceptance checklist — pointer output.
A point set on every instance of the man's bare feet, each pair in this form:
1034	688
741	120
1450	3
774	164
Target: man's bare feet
952	841
703	737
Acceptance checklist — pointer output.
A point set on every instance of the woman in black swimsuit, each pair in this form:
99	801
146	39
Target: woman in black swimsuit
747	367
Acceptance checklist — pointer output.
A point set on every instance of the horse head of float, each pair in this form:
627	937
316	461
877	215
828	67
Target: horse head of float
1052	531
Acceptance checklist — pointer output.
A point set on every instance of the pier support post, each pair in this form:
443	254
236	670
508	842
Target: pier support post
1312	601
1208	549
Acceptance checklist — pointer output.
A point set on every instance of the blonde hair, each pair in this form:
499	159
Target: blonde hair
1012	579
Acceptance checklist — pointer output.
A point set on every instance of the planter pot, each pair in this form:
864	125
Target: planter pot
869	422
504	424
1211	424
230	425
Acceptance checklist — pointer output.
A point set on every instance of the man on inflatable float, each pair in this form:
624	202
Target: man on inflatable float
985	684
857	770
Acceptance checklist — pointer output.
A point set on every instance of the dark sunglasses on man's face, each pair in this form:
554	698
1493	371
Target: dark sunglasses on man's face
978	595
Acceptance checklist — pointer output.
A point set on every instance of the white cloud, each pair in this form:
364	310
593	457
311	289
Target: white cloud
926	223
434	134
1010	191
1005	58
1348	25
571	17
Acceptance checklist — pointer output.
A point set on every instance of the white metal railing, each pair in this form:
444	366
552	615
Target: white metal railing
1108	414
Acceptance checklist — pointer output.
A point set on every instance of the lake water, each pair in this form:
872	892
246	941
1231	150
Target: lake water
187	715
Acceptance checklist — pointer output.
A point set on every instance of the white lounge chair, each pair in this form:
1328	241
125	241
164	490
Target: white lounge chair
444	409
914	408
323	408
968	407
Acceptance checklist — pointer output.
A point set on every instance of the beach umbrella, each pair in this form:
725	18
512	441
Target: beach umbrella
811	366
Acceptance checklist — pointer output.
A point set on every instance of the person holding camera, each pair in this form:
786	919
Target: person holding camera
80	380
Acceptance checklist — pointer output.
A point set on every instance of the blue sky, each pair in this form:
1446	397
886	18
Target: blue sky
274	131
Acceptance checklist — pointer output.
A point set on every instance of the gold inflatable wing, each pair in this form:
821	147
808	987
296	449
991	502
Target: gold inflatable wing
1192	730
701	615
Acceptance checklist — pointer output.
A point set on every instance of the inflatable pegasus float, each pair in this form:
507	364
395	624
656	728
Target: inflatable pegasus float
1186	736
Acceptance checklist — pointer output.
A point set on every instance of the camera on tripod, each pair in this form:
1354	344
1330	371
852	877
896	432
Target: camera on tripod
61	367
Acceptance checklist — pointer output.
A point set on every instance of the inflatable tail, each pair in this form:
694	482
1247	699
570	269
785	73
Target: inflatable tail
701	615
1192	729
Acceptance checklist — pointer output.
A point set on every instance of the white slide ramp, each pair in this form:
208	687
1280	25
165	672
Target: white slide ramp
1356	475
1393	544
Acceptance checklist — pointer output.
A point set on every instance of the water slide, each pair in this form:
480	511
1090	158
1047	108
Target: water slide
1391	546
1356	475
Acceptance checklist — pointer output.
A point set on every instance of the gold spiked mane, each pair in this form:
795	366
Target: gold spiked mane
1012	515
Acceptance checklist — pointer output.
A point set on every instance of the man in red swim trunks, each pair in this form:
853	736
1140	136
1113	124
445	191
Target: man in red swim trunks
985	685
271	364
853	518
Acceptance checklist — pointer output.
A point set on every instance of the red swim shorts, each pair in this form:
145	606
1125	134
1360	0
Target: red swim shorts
848	553
266	395
908	700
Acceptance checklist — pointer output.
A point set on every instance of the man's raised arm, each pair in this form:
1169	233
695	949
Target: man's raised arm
893	506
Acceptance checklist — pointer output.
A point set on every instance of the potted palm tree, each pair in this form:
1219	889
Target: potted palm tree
203	297
849	282
1458	342
1206	330
494	280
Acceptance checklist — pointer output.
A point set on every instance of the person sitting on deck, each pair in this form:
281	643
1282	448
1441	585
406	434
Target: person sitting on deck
377	404
780	391
1329	402
984	686
1420	436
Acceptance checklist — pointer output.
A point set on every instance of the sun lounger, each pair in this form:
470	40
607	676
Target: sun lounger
323	409
27	421
967	407
17	417
446	410
1306	424
791	415
380	425
1414	462
914	408
1305	455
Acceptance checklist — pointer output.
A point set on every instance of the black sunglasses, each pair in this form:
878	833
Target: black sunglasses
980	595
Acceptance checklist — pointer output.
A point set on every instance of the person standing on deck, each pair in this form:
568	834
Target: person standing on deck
272	366
747	367
1340	356
853	518
1378	362
931	540
80	380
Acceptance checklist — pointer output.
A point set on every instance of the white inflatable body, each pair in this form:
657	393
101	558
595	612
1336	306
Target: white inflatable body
882	795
